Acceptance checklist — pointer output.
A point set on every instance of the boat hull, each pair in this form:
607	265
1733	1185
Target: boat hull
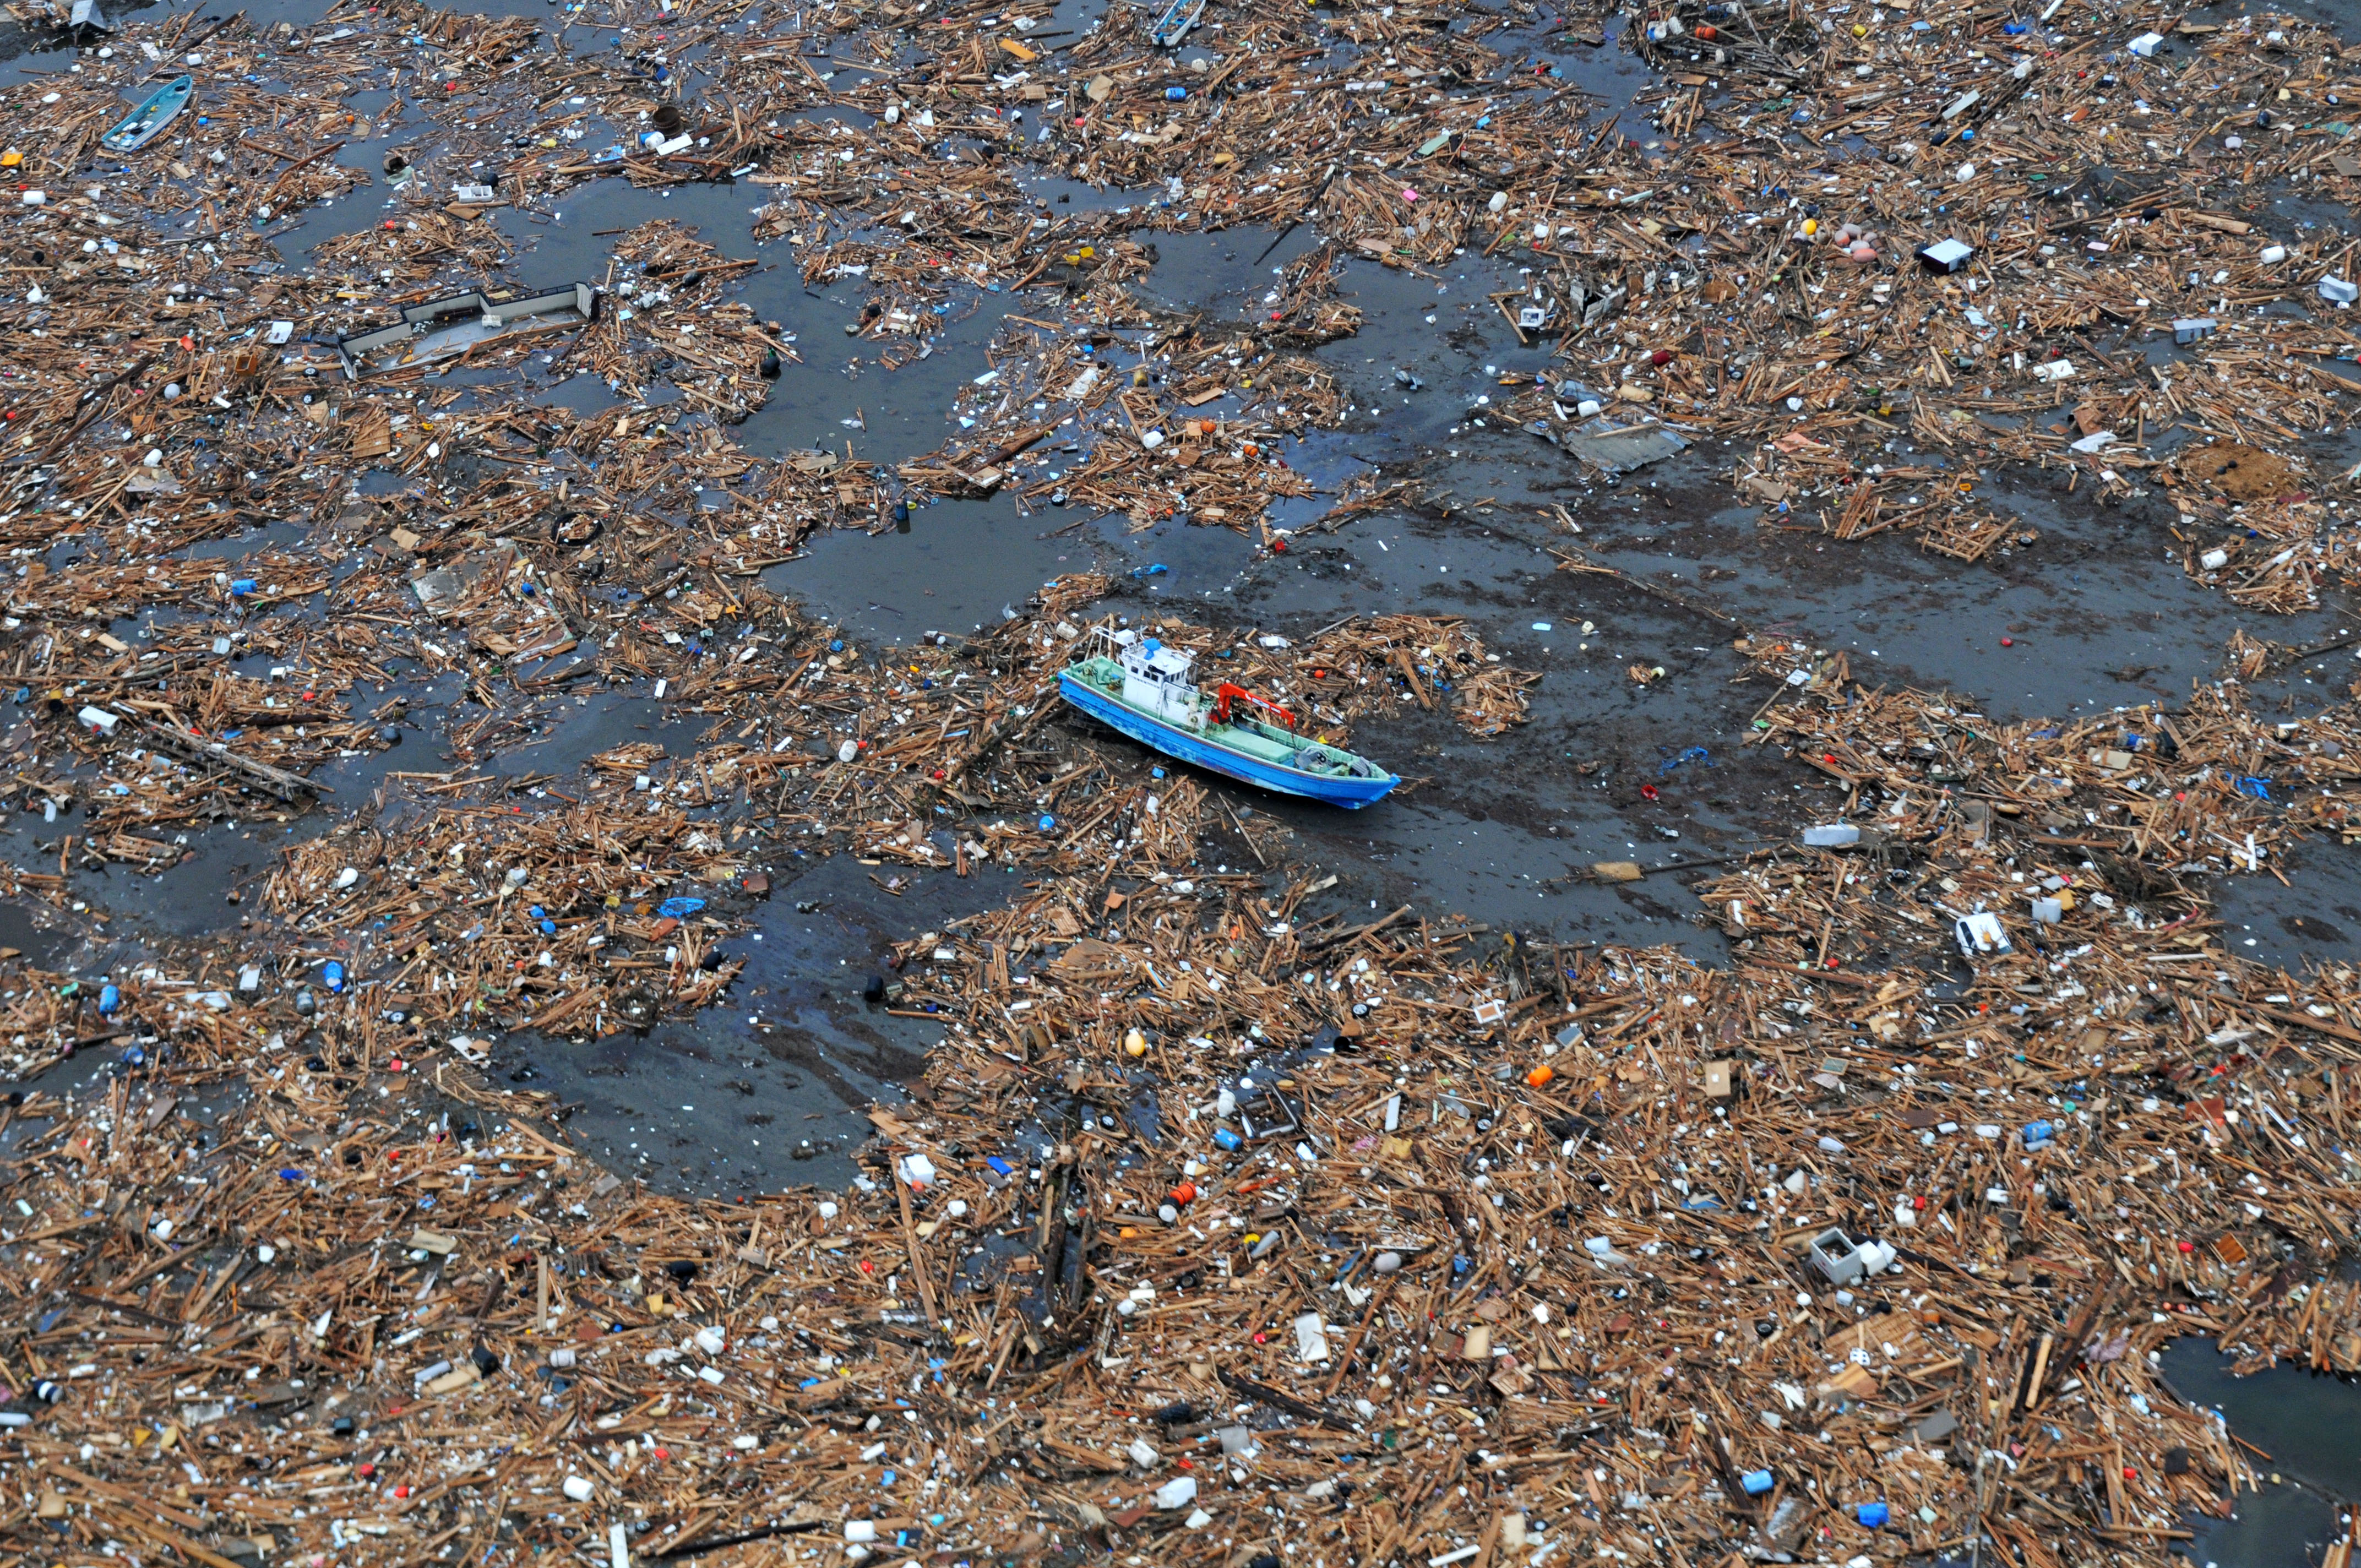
1350	793
148	122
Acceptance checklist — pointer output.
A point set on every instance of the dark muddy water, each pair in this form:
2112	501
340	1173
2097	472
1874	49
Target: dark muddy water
2302	1427
767	1091
2092	612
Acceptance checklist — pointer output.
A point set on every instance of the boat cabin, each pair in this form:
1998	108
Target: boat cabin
1157	680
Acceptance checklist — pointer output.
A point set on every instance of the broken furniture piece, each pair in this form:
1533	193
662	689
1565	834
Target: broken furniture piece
199	751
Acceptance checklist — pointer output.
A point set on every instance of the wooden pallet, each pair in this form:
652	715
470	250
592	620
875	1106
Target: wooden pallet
1963	537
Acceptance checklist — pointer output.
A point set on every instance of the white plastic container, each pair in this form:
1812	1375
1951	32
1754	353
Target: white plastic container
1981	936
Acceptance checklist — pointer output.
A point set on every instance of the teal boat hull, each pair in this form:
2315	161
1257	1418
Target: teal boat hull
155	112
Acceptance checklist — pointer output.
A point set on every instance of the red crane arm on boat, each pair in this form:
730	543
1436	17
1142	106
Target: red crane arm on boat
1226	694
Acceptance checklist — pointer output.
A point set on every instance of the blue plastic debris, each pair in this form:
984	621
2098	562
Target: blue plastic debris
2039	1133
1873	1515
2248	784
109	999
1755	1482
1694	754
1047	822
1155	569
243	585
332	974
288	1173
678	908
999	1164
1225	1139
1156	773
1174	94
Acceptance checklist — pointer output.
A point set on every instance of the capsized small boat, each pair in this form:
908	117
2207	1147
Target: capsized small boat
1149	692
147	122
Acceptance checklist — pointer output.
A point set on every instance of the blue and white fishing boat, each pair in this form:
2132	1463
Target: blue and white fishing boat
147	122
1149	692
